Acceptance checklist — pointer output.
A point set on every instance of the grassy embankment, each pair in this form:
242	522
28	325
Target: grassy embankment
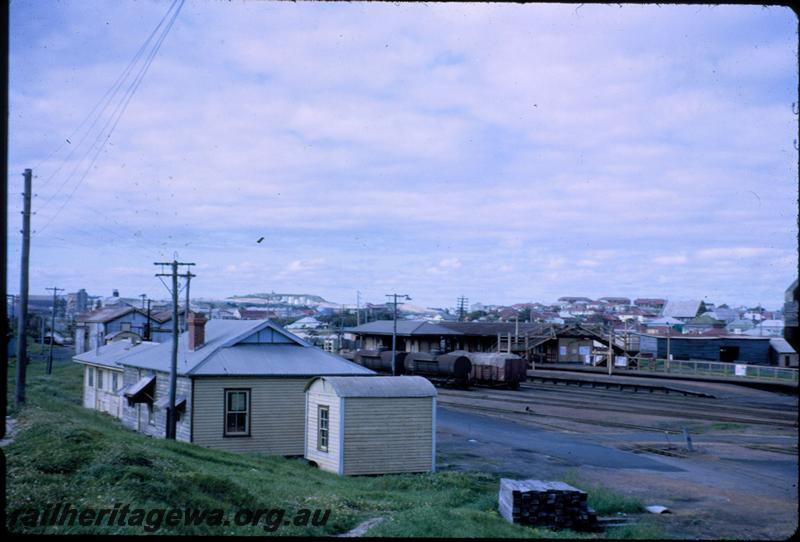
63	453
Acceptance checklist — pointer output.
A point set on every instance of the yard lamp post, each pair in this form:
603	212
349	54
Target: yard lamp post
394	330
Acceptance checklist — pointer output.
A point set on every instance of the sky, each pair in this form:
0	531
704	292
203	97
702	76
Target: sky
508	153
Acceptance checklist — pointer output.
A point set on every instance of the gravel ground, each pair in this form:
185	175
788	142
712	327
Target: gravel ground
731	486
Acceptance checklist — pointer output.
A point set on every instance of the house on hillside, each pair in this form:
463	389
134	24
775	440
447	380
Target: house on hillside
739	325
92	329
703	323
306	322
650	305
240	385
684	310
767	328
102	374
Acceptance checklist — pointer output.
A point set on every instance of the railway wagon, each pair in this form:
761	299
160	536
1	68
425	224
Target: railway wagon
380	361
450	369
496	368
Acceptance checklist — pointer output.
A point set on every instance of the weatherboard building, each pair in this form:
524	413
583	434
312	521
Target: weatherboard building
240	384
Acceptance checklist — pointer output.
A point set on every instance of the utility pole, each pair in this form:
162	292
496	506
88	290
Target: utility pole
143	296
610	351
22	344
669	354
173	372
188	276
148	325
394	330
13	307
461	308
52	329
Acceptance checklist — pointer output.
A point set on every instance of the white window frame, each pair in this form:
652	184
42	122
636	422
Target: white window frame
99	379
246	412
91	377
323	442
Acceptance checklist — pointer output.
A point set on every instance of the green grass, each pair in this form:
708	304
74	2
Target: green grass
644	530
604	501
727	426
64	453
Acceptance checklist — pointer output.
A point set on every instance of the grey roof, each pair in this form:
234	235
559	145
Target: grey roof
408	328
726	313
110	355
404	328
106	314
740	323
491	329
682	309
224	353
277	359
781	346
662	321
379	386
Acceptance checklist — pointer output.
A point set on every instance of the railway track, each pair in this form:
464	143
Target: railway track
525	404
673	401
706	409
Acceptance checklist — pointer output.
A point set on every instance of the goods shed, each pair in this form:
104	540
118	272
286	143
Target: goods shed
371	424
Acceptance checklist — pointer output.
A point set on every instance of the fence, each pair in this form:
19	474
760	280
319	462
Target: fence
714	368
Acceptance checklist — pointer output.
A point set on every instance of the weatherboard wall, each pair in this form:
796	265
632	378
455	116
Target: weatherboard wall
322	394
277	414
138	416
388	435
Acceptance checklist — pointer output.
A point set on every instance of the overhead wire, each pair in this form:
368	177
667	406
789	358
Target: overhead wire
109	94
99	143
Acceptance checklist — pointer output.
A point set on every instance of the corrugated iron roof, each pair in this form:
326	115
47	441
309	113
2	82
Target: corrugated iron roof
404	328
379	386
781	346
106	314
110	355
221	354
682	309
422	327
277	360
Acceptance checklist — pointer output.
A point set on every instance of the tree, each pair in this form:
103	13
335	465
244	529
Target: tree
474	315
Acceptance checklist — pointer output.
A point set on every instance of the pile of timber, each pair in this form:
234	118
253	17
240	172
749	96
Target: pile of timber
554	505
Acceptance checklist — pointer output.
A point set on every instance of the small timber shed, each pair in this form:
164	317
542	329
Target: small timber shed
371	424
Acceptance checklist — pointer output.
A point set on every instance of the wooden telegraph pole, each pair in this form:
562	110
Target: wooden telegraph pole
188	276
22	344
394	330
172	419
52	329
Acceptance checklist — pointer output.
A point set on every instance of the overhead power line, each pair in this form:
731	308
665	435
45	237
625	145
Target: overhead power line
113	120
107	98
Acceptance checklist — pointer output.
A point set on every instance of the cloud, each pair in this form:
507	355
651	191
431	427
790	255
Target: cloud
445	266
672	259
577	147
